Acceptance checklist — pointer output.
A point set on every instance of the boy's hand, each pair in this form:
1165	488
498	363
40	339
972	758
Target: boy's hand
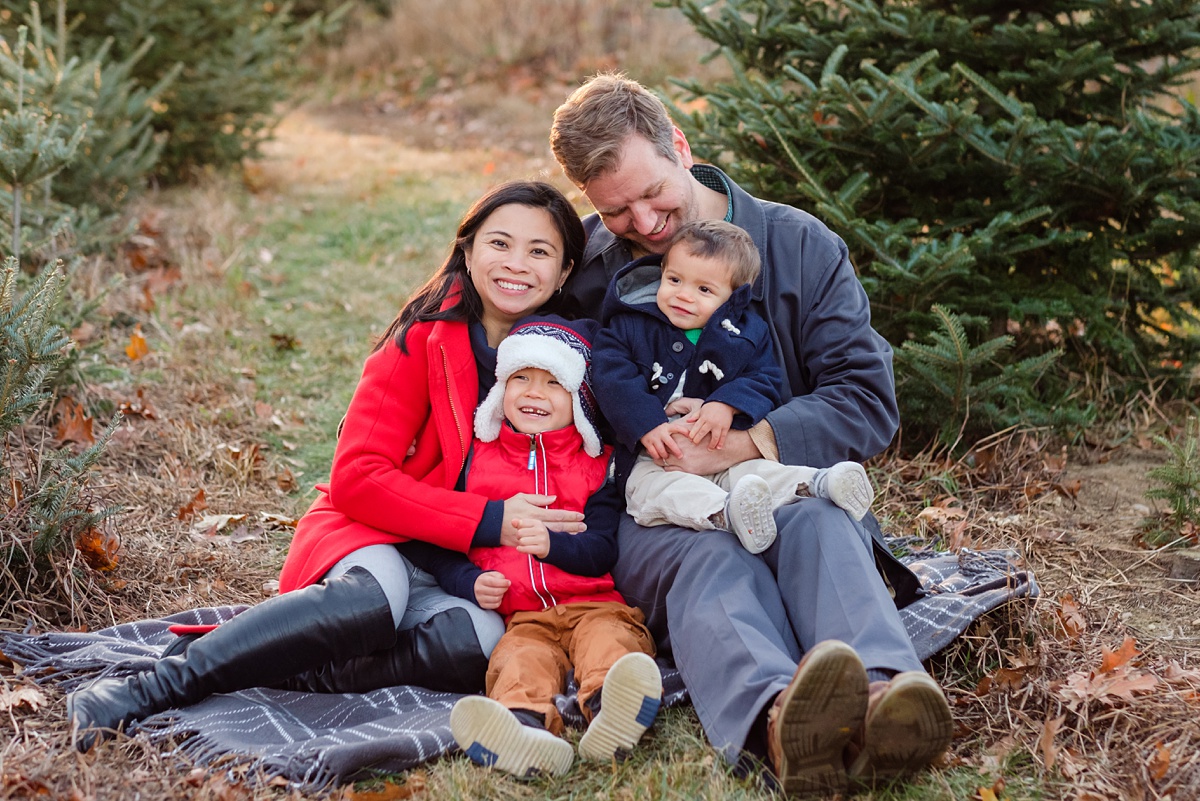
713	418
659	444
490	588
683	407
532	538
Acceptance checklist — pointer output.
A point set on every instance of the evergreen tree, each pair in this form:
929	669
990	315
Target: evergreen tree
1026	163
236	62
90	101
35	141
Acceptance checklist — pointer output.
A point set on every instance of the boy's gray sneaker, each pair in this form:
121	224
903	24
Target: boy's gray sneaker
492	736
847	485
630	700
750	515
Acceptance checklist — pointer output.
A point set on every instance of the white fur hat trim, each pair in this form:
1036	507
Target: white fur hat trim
520	351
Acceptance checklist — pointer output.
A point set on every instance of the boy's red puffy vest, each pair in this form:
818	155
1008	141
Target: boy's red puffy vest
552	463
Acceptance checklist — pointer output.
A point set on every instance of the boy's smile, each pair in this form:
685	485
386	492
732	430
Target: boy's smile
534	402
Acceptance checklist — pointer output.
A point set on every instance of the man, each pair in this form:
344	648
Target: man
858	707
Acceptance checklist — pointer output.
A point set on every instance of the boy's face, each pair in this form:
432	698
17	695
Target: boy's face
692	288
534	402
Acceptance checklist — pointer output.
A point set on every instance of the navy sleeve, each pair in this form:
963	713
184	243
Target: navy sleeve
487	533
758	387
455	573
624	397
594	552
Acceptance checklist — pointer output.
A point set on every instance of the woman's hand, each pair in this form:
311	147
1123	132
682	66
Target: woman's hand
526	506
532	538
490	588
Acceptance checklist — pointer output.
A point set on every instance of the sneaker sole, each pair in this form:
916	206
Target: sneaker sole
630	702
755	529
851	490
907	730
822	708
491	736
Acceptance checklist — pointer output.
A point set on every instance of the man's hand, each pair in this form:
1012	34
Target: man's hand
490	588
713	418
659	443
532	538
683	407
525	506
704	461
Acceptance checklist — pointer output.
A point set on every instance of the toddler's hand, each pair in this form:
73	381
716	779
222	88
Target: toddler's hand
490	588
659	444
532	538
714	418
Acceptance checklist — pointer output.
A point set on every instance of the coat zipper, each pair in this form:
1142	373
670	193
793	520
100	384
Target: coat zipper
536	568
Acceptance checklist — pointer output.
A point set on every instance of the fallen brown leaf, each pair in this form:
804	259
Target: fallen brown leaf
1160	763
1071	617
1046	744
100	549
22	696
73	423
137	347
1120	657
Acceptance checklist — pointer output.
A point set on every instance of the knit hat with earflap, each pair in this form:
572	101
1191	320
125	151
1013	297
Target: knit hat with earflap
560	347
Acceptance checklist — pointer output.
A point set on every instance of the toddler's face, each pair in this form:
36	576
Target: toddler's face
534	402
692	288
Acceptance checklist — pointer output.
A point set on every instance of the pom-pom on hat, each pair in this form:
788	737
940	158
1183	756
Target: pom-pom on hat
560	347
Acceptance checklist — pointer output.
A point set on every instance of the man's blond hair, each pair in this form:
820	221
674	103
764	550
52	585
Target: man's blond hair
594	123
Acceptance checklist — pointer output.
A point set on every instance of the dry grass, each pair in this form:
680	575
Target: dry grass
1057	687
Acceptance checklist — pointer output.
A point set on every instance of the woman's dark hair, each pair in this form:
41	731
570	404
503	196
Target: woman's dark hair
426	303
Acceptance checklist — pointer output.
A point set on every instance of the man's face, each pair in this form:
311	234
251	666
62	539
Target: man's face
647	197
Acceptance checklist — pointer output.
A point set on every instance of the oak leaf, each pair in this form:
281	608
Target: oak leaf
73	423
1071	617
22	696
99	549
197	504
1120	657
1046	741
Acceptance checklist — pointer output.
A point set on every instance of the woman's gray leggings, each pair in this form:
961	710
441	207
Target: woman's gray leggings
413	595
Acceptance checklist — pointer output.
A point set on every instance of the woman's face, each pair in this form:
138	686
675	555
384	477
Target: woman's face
515	263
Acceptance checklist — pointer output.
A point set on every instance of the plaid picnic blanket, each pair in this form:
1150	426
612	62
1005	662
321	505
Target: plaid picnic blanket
316	740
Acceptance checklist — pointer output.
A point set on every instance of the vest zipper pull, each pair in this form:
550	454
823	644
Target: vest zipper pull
532	453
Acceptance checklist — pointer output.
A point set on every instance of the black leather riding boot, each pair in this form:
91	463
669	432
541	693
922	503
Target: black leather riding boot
346	616
442	653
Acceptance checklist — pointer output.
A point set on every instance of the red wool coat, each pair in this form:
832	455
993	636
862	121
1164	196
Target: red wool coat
378	495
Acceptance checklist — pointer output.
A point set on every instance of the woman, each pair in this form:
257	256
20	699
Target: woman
354	614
